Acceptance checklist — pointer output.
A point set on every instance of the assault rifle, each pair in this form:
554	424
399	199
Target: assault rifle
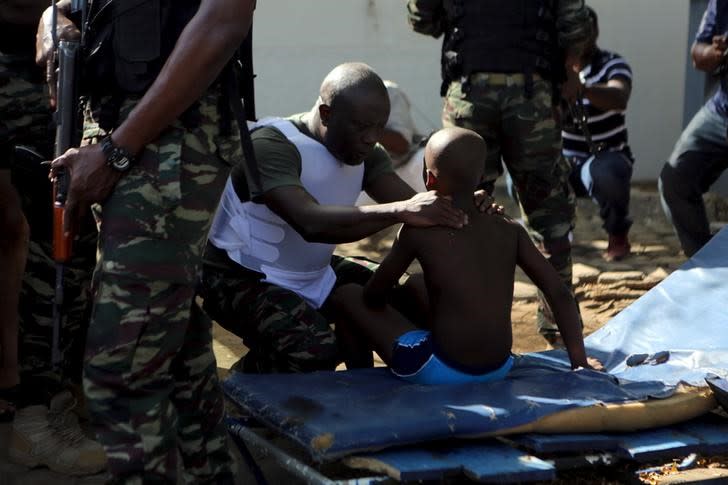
67	118
580	117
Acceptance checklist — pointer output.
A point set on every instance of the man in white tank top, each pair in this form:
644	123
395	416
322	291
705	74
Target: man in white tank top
270	270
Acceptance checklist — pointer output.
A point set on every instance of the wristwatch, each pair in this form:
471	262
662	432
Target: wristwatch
117	157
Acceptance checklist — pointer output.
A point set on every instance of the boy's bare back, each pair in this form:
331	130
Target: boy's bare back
469	272
469	275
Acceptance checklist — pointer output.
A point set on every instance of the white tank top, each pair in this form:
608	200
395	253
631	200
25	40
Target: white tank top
256	238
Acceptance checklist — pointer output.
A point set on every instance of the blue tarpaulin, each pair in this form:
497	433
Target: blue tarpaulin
686	315
675	332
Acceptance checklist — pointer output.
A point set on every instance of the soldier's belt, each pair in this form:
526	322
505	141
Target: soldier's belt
502	79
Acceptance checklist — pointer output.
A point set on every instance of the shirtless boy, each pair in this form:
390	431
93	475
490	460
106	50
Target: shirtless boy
469	274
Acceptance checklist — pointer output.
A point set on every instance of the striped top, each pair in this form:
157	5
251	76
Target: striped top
607	128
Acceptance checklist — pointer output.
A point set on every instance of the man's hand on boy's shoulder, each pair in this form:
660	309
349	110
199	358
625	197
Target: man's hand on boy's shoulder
427	209
486	203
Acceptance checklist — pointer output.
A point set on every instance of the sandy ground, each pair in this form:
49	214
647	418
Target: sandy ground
603	290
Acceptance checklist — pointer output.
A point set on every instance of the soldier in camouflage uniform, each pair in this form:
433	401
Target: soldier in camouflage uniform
502	63
150	374
283	331
44	431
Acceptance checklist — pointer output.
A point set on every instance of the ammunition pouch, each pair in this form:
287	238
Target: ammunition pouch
127	43
125	46
500	36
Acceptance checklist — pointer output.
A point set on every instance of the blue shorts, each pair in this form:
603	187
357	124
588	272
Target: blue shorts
414	359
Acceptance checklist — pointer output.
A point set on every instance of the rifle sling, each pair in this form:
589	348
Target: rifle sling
250	165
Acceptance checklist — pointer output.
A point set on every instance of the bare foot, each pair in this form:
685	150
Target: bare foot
595	364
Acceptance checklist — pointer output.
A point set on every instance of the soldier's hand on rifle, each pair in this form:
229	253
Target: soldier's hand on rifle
92	180
44	47
720	43
572	89
717	49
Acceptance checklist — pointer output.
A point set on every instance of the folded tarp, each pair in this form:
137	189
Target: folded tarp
333	414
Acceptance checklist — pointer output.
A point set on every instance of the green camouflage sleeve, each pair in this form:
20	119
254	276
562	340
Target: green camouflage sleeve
572	23
426	16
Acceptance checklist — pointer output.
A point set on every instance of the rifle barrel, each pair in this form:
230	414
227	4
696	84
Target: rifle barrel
67	115
56	354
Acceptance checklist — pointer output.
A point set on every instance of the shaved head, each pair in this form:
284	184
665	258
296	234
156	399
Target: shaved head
351	112
456	157
351	81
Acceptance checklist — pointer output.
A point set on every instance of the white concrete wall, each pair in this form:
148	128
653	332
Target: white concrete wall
653	36
297	42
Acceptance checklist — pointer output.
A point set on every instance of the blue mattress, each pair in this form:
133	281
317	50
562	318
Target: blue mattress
677	331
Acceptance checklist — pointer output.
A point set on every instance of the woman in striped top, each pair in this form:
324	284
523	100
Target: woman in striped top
595	140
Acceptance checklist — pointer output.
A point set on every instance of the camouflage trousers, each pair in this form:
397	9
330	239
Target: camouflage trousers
25	115
522	131
150	375
26	120
283	332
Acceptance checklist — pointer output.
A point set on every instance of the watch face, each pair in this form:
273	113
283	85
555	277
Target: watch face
122	164
117	158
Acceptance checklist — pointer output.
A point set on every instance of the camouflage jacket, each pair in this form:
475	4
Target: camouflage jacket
428	17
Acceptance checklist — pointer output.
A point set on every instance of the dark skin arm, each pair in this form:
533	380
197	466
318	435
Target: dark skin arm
612	95
557	295
394	142
399	203
205	46
340	224
389	272
707	57
44	46
570	89
389	187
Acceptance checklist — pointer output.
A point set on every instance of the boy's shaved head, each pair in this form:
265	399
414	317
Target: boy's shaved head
456	157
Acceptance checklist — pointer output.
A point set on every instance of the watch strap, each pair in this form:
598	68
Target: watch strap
117	157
